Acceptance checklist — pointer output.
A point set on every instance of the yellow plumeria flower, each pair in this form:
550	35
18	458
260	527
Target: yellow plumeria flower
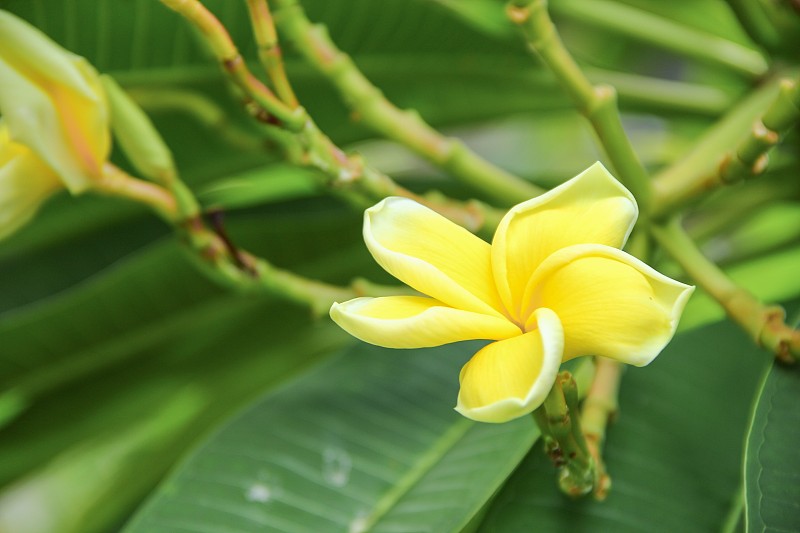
553	285
25	183
53	103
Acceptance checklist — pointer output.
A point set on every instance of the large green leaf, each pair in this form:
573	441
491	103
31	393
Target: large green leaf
772	463
86	472
368	441
141	313
128	342
674	455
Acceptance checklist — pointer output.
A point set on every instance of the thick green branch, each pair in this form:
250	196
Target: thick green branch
764	324
748	159
405	127
597	103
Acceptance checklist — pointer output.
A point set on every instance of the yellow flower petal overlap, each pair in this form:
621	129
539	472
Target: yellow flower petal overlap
53	102
553	285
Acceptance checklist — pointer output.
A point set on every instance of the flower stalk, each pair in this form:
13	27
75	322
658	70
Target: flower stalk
597	103
764	323
564	440
116	182
599	409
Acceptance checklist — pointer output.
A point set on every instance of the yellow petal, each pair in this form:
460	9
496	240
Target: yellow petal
415	322
609	303
53	103
431	254
25	183
592	207
508	379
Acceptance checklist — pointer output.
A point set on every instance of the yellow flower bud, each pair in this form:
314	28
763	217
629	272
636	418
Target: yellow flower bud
25	183
53	103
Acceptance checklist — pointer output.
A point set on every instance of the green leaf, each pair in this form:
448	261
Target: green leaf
135	420
673	456
368	441
772	463
260	186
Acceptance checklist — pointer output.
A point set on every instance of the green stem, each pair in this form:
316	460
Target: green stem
599	408
645	92
598	104
764	324
221	44
350	177
748	159
268	50
756	22
659	95
405	127
115	182
670	35
735	513
200	108
564	440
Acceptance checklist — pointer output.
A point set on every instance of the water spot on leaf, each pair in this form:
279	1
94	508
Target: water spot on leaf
359	524
336	466
258	492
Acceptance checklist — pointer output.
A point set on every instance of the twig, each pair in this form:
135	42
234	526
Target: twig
764	324
667	34
233	64
115	182
597	103
268	50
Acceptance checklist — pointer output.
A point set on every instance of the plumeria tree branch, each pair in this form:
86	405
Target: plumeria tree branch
405	127
211	248
221	44
597	103
765	324
222	261
304	144
749	158
268	50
